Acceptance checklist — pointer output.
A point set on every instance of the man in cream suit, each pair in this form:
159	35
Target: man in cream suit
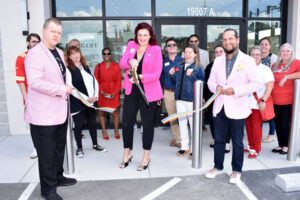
46	108
235	73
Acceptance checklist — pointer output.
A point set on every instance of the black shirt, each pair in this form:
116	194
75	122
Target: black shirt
59	62
139	68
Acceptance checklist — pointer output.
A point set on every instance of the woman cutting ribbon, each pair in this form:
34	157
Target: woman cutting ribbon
143	56
80	77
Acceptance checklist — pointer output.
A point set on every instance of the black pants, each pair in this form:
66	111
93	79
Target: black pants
90	115
223	124
209	116
50	142
283	114
133	103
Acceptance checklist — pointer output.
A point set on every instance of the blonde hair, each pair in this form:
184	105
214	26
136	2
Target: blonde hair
278	61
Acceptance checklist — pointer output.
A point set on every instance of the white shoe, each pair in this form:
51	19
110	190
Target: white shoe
33	155
212	173
79	153
235	178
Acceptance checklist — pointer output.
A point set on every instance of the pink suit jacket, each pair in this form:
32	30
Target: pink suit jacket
152	66
244	79
46	101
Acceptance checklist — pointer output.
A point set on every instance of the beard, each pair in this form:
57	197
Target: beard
230	51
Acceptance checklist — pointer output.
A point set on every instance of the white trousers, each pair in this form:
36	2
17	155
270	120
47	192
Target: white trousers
186	138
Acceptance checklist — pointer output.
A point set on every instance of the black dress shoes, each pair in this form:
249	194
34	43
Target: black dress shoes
64	181
52	196
283	152
276	150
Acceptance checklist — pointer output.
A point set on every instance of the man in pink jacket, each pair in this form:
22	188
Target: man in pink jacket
235	73
46	108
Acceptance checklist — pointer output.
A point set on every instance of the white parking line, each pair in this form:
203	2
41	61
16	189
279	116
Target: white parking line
161	189
27	192
246	191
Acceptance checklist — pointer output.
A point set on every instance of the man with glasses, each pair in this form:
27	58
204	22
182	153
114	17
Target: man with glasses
203	54
171	60
31	40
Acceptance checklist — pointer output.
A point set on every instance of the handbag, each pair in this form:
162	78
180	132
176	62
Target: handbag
268	113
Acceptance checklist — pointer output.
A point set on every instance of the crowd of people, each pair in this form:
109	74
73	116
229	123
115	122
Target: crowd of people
47	79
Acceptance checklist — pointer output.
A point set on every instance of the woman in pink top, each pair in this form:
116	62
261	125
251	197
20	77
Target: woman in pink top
144	56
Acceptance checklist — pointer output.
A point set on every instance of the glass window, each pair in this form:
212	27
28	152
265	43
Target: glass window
118	32
199	8
260	29
264	8
78	8
128	7
90	35
214	36
180	32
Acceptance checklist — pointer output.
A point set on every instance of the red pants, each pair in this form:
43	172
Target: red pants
254	130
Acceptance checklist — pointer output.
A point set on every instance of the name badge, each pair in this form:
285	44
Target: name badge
167	64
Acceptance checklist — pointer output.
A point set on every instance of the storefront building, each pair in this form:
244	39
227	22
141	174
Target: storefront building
111	23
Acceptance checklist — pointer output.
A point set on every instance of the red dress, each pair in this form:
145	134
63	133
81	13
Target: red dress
109	81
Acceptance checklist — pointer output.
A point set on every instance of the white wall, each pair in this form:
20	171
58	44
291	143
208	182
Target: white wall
294	25
13	44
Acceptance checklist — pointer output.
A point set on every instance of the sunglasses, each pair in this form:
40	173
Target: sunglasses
171	45
193	41
106	54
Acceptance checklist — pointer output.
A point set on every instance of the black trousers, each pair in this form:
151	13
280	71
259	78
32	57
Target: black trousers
132	104
90	115
50	142
223	124
209	116
283	114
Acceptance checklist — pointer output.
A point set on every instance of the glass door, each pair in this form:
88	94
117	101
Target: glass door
179	29
214	30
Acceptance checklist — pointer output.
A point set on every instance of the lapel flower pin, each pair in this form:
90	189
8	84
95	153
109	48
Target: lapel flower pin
240	67
132	50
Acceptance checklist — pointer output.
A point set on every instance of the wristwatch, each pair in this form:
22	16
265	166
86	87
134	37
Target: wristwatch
262	100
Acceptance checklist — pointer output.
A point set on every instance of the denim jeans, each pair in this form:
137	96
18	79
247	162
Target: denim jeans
223	124
272	127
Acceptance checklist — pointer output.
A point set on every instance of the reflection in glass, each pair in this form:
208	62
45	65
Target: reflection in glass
264	8
181	34
90	35
128	7
214	36
260	29
78	8
199	8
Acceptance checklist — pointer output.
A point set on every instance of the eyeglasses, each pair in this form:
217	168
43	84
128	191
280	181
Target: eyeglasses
171	45
193	41
106	54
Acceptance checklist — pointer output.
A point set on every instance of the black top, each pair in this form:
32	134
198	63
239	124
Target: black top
59	62
206	92
78	83
139	68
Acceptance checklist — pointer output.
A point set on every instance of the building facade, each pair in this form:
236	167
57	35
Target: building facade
111	23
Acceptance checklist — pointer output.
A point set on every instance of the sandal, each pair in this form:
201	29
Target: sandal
142	167
125	164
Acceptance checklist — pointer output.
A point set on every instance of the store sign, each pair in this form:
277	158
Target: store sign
200	11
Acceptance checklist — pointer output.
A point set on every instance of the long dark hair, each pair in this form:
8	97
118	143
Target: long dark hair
69	62
145	25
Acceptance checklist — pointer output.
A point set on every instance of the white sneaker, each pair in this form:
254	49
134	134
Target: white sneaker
235	178
33	155
212	173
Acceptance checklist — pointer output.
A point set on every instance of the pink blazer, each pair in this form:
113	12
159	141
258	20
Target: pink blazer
244	79
46	101
152	66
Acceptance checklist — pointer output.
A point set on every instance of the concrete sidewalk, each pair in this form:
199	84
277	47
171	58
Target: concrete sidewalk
17	168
